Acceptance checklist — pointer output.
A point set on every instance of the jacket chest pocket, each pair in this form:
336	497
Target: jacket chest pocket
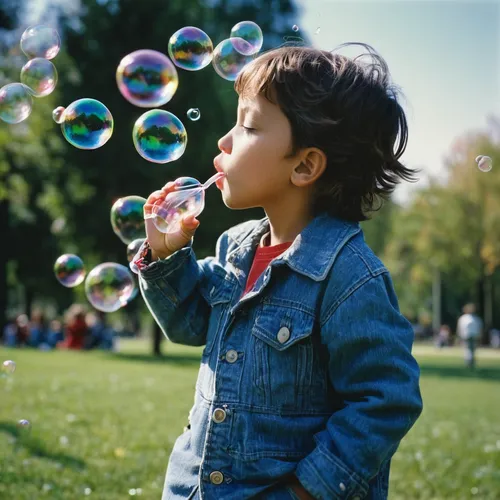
286	373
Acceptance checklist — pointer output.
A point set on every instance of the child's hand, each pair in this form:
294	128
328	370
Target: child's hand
165	244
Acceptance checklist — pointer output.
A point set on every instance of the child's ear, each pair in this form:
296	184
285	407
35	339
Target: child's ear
311	167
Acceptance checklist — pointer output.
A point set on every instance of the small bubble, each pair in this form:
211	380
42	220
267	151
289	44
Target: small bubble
318	29
474	490
87	491
63	440
58	114
194	114
295	28
9	366
47	487
132	492
24	425
70	417
485	164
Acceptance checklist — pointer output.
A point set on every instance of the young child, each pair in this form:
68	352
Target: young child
307	383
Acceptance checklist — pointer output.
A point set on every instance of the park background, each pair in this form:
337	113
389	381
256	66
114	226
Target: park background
105	422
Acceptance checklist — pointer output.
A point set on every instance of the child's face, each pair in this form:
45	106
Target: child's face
255	161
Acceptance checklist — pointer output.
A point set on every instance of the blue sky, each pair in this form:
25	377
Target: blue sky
444	55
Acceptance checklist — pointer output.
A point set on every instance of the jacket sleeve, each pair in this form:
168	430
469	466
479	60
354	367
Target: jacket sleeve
372	369
171	288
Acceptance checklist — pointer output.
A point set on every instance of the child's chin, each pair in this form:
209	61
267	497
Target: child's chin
233	203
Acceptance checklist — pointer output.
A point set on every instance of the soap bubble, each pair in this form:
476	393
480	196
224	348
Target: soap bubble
127	218
109	286
9	367
194	114
251	33
134	247
40	41
24	425
190	48
16	103
88	124
318	29
58	114
295	28
40	76
147	78
69	270
484	163
230	57
159	136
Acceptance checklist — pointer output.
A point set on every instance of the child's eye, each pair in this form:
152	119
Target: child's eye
248	129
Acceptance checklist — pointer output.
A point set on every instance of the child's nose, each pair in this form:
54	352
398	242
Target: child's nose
224	144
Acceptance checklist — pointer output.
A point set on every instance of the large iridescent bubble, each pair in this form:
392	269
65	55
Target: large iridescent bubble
40	41
127	218
251	33
109	286
230	57
40	76
147	78
87	124
190	48
16	103
159	136
69	270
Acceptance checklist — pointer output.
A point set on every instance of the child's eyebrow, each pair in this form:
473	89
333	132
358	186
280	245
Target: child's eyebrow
246	109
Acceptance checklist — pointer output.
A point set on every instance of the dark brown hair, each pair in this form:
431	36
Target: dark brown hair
344	107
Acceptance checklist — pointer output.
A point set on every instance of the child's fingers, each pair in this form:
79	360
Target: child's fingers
155	196
168	187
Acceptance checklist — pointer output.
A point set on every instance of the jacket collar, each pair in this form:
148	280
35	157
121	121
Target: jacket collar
313	251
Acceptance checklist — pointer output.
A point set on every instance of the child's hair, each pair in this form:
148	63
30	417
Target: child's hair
347	109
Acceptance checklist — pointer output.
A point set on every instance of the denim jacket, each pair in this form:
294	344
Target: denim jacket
310	373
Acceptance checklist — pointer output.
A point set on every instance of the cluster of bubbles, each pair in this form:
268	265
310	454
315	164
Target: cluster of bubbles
8	369
146	79
484	163
38	76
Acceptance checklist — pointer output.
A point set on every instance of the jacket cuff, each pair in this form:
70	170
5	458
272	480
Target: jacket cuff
325	476
163	267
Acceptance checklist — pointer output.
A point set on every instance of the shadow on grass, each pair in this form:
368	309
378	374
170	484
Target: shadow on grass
457	371
37	448
182	359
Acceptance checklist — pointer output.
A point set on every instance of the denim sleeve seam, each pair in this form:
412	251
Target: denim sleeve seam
356	286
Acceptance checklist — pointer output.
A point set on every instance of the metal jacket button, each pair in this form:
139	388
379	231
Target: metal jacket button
216	477
219	415
283	335
231	356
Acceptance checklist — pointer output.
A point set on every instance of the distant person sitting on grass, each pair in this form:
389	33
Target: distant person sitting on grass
16	333
307	382
101	336
55	334
469	329
76	328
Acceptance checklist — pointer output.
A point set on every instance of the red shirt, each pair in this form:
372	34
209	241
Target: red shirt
263	256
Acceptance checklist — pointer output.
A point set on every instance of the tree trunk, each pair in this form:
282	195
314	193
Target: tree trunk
4	257
157	339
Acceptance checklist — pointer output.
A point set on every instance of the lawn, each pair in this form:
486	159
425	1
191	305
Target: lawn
103	424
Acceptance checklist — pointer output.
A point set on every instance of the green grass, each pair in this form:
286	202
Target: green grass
107	422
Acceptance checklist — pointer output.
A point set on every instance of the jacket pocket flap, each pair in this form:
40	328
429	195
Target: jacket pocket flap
281	327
